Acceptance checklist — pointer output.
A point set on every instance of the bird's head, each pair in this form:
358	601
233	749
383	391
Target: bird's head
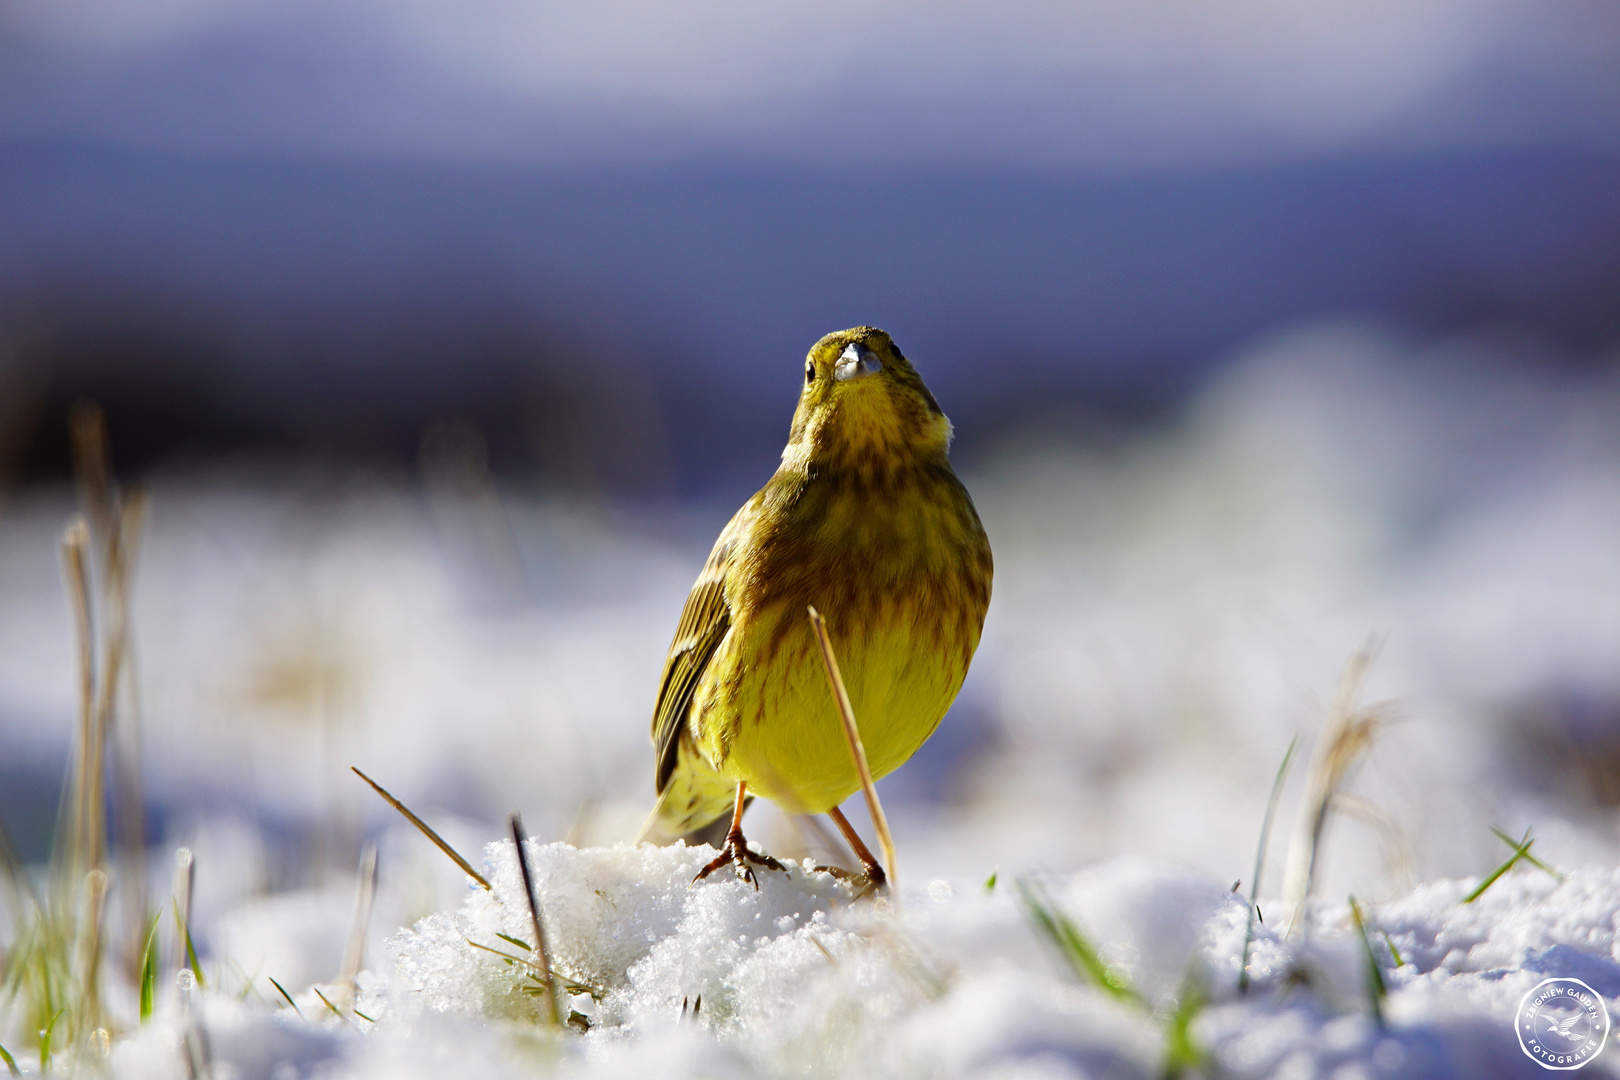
864	407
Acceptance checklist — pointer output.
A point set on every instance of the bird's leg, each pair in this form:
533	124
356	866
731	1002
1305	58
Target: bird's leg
736	851
874	870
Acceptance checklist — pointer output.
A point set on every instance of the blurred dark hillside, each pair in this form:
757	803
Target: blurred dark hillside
637	329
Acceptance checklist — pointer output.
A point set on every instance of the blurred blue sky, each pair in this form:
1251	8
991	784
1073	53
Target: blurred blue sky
324	226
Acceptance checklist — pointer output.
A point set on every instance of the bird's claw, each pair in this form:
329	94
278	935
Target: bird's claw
864	884
738	854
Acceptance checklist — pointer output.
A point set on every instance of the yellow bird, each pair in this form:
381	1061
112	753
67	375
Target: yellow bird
866	521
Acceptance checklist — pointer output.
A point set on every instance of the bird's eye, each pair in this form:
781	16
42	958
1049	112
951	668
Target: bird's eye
809	373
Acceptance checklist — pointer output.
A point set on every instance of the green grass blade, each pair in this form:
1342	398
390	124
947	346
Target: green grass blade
335	1010
508	957
11	1062
519	942
1260	859
1529	858
149	970
1519	851
283	991
45	1042
1080	953
1375	976
1182	1052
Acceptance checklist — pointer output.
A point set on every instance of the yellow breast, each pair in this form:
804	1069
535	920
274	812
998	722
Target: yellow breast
901	569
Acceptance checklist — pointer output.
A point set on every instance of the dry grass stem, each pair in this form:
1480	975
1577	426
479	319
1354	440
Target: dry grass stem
53	967
185	879
95	904
118	728
113	526
354	951
1399	862
540	950
92	470
846	713
82	841
1345	739
438	841
1260	857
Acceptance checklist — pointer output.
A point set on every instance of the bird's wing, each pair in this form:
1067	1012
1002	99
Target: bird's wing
1567	1023
704	623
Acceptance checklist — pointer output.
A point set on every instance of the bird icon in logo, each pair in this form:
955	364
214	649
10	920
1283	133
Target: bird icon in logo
1563	1026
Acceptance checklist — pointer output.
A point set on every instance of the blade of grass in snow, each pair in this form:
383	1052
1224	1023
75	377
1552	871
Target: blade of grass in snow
53	967
1080	953
324	1000
75	847
539	928
124	743
439	842
45	1034
1529	858
107	535
1520	850
1375	976
90	1018
189	960
185	880
282	990
1346	737
11	1062
508	957
354	949
149	966
1260	859
1182	1052
571	987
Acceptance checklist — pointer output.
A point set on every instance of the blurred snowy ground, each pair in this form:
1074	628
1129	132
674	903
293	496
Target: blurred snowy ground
1171	608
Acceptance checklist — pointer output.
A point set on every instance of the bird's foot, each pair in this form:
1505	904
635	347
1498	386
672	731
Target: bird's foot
736	853
870	880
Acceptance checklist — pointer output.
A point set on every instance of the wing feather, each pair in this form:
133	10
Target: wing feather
705	621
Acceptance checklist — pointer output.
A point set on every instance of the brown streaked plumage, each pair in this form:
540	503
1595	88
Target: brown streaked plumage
866	521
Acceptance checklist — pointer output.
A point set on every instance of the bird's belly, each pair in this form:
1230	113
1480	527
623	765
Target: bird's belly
775	723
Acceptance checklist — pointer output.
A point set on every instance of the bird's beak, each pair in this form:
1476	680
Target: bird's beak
856	362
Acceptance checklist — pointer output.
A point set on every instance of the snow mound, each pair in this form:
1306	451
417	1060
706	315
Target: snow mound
802	978
625	926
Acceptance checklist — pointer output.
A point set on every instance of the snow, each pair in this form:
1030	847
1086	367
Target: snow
800	978
1171	608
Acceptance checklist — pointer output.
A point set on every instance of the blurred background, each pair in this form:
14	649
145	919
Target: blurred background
444	340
